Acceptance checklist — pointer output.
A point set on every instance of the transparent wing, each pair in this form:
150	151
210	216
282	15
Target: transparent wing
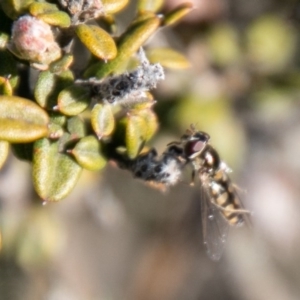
214	227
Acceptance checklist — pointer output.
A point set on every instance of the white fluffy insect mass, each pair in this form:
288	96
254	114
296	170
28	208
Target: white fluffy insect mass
166	170
128	86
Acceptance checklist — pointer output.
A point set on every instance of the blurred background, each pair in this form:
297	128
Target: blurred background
116	238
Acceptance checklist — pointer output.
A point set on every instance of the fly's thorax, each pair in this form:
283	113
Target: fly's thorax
211	159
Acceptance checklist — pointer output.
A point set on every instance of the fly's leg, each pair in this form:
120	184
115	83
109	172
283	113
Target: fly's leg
239	211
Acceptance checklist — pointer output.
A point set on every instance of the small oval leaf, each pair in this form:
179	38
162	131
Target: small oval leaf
4	150
264	40
98	41
88	154
21	120
113	6
56	126
56	18
130	41
150	119
102	120
150	5
177	14
76	128
58	118
62	64
54	174
168	58
55	131
65	141
73	100
5	87
9	68
4	37
43	88
135	131
37	8
14	9
49	85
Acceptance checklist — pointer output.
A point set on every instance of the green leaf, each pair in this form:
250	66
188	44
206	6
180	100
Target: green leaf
168	58
177	14
54	174
48	87
56	126
98	41
5	87
102	120
15	8
150	5
62	64
135	131
9	68
65	142
4	151
73	100
271	44
130	41
4	37
5	28
55	131
113	6
58	118
37	8
76	128
21	120
56	18
150	119
88	154
224	46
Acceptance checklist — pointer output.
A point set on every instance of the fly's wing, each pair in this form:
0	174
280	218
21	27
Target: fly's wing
214	226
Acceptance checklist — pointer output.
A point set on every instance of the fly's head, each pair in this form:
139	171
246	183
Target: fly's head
194	144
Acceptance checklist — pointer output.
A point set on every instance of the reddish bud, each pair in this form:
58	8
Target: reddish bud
33	40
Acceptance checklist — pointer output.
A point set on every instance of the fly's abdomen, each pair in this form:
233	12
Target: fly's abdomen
224	196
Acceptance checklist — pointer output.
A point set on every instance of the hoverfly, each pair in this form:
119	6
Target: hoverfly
220	204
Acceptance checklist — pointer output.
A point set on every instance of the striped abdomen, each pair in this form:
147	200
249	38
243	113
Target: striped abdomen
224	196
213	173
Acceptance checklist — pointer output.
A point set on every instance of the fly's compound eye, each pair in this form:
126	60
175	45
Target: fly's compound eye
194	143
194	148
201	136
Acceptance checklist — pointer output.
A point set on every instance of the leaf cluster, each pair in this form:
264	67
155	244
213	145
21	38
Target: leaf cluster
59	127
